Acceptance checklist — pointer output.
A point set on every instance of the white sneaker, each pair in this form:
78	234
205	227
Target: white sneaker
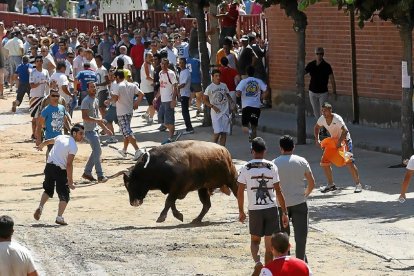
144	116
138	154
358	188
150	120
122	152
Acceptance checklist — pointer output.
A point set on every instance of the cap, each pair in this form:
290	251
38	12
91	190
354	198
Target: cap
258	144
124	34
244	38
163	25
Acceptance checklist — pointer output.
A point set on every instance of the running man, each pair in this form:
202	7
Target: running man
217	97
59	170
251	90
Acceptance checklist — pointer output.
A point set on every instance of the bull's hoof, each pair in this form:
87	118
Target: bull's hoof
179	216
161	218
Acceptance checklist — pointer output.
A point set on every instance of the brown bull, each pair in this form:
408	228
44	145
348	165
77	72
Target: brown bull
179	168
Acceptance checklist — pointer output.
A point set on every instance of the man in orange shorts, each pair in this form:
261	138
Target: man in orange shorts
336	127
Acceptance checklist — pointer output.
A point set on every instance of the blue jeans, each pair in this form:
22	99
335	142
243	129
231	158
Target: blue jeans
95	158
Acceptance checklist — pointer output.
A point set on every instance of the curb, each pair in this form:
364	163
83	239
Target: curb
310	139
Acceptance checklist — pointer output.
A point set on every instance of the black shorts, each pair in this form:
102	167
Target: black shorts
150	97
264	222
196	87
24	88
102	97
250	115
55	175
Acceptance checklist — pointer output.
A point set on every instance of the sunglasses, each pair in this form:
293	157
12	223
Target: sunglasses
54	95
319	54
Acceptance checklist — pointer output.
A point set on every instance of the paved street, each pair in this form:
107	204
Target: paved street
373	220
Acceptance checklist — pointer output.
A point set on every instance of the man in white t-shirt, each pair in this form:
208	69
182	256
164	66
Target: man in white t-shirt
408	174
123	54
15	259
336	127
59	170
217	97
124	95
60	78
251	90
102	84
184	86
168	94
261	180
78	61
39	88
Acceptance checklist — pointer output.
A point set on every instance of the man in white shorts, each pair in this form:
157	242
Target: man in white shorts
217	97
336	127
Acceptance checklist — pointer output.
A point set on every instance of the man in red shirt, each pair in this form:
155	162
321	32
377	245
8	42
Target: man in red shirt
284	264
137	56
228	21
229	76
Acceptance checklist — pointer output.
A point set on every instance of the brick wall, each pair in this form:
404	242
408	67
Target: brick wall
378	45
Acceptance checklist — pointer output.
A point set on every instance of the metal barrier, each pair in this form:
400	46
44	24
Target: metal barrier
59	23
246	23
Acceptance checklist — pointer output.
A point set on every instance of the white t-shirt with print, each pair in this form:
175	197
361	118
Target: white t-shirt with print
251	89
64	145
101	73
335	128
61	79
217	95
37	76
166	85
259	176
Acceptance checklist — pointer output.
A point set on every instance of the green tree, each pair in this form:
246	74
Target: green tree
401	14
293	10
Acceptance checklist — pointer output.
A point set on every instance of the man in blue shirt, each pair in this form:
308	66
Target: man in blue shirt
82	79
193	65
22	77
51	119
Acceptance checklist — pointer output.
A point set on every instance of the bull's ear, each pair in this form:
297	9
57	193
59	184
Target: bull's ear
126	179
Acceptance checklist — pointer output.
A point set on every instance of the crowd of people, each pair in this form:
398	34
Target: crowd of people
106	76
84	8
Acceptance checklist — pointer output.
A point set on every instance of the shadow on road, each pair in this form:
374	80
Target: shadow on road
387	212
170	227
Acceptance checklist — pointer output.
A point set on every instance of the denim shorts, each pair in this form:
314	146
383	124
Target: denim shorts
110	115
166	114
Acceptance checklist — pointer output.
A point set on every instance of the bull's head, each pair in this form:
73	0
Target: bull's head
137	191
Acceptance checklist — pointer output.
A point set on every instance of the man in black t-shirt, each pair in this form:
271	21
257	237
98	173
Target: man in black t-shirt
320	72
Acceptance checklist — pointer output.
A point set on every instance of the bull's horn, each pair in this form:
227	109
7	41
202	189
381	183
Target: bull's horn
121	172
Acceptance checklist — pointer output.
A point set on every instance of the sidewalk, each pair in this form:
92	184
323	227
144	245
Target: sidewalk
364	137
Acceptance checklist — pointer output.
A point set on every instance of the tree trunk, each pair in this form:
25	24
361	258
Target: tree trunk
198	12
355	98
300	85
214	36
407	94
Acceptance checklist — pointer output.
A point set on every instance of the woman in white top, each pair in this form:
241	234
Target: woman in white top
147	85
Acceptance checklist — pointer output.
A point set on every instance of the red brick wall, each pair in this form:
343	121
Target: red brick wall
378	45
